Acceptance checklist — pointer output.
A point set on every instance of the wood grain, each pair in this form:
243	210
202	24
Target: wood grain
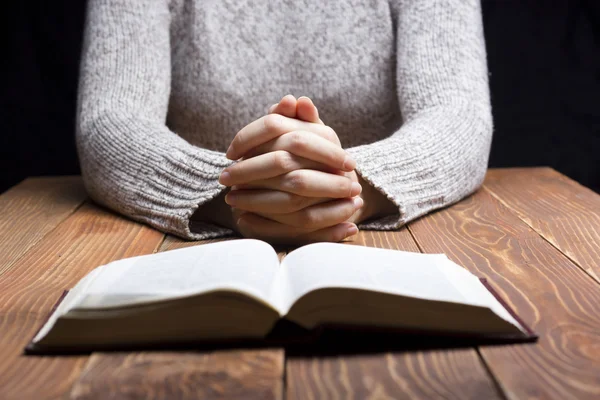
157	375
253	374
561	210
549	292
31	209
452	374
455	374
29	288
485	233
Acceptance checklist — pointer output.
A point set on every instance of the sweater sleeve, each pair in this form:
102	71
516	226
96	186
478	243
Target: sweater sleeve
440	153
131	162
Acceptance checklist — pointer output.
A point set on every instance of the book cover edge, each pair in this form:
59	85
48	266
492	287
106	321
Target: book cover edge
508	308
31	347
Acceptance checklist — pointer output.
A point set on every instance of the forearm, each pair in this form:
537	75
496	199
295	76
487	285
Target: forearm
143	170
440	153
433	161
130	161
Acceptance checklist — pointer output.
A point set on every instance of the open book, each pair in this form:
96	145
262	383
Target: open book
239	290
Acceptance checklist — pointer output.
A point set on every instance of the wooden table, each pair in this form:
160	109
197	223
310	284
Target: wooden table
533	232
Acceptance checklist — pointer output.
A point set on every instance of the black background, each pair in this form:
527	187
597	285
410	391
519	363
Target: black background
543	56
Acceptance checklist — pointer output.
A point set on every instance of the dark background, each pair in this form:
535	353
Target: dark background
544	61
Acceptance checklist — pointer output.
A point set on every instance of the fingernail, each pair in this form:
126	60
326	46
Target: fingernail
230	198
353	230
358	202
349	163
356	189
224	178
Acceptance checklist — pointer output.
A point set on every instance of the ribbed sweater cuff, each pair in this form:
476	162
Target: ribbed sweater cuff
425	166
401	181
150	174
186	179
369	167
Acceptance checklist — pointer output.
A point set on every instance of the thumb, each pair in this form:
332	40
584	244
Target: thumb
286	107
307	111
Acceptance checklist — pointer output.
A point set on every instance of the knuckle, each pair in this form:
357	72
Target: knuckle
342	187
296	182
298	141
272	122
283	161
309	218
343	212
348	211
347	187
297	202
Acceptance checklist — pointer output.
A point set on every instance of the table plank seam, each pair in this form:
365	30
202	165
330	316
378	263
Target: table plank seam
412	235
422	374
494	378
486	237
158	248
96	353
284	376
589	273
482	360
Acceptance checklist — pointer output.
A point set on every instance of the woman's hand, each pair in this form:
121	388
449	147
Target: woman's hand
281	121
284	217
375	203
283	189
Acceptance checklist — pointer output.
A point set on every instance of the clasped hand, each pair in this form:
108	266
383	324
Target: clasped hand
293	183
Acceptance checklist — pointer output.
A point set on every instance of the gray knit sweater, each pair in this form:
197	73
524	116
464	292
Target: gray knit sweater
165	86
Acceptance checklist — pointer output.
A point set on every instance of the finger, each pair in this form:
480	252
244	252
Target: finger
320	215
270	201
307	111
309	183
255	226
269	127
265	166
310	146
286	107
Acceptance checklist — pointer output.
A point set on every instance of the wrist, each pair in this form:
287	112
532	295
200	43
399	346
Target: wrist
376	204
217	212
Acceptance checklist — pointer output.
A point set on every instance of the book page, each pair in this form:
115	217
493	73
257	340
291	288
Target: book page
472	288
247	266
73	297
324	265
425	276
